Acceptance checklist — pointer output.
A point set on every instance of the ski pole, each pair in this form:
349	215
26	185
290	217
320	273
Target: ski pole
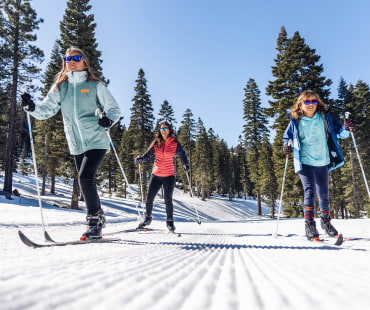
100	114
191	192
358	154
46	235
282	190
141	189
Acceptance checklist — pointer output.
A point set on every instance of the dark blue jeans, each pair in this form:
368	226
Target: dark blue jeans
155	184
87	164
315	179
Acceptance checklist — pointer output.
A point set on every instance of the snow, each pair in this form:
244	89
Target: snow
229	261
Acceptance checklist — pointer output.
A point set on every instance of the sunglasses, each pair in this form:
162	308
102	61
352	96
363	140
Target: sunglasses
75	58
164	128
307	102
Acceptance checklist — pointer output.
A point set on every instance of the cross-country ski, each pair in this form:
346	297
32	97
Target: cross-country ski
27	241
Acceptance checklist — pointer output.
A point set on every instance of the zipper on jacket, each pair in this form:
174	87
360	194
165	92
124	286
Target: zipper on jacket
75	112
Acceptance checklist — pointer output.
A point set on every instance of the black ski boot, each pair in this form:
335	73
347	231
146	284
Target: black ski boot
95	224
311	231
145	222
170	225
328	227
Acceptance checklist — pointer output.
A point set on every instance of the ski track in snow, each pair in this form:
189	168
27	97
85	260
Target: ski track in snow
230	261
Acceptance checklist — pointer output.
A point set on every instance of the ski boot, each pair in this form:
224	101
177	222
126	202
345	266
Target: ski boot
311	231
147	220
95	224
171	227
328	227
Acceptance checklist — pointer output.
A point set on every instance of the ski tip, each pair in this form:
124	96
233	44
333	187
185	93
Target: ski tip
47	237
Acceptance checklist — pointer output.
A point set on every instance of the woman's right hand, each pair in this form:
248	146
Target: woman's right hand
27	102
287	149
139	160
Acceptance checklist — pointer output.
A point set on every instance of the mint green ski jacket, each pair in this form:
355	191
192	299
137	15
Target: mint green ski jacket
78	99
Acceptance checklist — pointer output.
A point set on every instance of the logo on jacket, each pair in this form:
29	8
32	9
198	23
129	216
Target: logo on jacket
84	90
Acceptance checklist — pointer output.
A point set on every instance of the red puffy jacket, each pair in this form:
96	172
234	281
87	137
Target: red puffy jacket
164	164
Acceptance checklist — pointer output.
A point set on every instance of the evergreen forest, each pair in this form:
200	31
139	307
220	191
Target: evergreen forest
253	168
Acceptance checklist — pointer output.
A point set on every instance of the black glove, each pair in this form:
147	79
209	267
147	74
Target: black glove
105	122
139	160
287	149
186	168
27	102
348	123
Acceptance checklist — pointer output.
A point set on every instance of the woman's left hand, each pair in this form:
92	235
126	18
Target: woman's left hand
105	122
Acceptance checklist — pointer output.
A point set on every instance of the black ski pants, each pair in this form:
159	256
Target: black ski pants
155	184
87	164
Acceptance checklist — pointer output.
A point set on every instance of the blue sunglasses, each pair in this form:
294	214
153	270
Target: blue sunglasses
307	102
75	58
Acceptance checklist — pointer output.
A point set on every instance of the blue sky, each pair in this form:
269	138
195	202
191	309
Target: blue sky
199	54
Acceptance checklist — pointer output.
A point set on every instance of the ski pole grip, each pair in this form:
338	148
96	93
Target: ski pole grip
99	113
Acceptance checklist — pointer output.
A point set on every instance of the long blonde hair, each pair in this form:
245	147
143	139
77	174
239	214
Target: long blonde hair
296	110
62	75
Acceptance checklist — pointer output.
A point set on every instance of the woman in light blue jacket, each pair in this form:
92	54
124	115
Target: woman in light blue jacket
314	134
78	94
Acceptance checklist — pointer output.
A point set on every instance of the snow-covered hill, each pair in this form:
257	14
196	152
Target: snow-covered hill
229	261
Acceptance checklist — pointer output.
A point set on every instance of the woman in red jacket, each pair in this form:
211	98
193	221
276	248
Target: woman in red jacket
165	148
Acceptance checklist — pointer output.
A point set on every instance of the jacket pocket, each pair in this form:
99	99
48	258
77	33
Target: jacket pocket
94	135
71	138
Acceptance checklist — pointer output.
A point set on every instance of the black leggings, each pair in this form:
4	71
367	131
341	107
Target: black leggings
87	164
168	187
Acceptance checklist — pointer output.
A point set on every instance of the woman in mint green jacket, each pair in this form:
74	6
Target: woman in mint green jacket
78	94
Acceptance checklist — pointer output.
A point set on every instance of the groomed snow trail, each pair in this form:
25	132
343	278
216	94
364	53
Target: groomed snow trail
212	266
229	265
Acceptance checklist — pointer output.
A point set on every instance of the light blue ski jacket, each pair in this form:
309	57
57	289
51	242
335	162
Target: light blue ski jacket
78	100
333	130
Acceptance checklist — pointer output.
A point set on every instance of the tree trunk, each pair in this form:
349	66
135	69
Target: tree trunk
259	204
75	193
10	142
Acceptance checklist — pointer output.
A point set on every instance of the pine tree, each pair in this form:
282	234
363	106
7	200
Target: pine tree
185	136
358	106
4	87
214	155
237	168
167	114
141	123
267	181
296	69
254	130
21	64
337	176
222	165
244	174
202	161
